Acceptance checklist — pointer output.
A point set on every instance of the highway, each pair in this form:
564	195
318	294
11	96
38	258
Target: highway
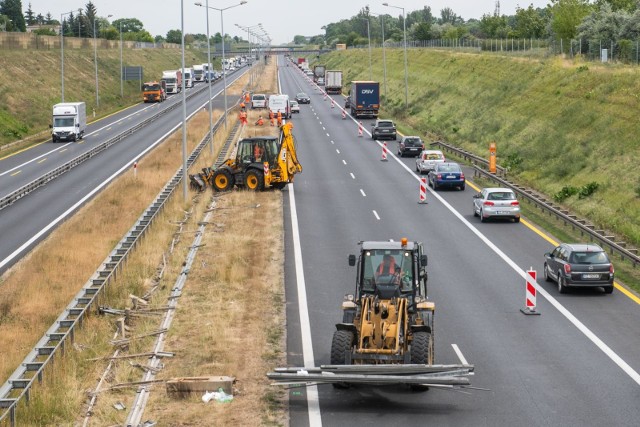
49	205
575	364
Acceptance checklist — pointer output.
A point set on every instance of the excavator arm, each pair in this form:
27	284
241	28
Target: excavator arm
288	157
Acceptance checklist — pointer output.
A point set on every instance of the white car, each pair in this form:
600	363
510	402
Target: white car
295	108
259	100
496	203
320	81
428	159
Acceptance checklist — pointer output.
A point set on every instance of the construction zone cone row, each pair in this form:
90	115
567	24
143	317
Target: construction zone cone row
530	293
384	152
423	191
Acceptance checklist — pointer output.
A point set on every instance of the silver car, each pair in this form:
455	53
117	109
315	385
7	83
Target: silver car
428	159
496	203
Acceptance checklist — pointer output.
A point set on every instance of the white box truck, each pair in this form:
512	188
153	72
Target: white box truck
198	73
187	74
69	121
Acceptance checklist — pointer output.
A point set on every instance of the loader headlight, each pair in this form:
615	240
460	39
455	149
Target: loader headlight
348	297
419	299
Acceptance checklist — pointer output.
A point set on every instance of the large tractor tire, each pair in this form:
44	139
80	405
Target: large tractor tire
341	345
222	180
422	352
254	180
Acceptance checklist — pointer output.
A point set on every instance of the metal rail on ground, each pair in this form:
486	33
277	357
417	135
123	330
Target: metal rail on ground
18	386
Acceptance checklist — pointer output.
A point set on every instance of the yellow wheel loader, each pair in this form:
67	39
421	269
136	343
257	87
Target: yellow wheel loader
261	162
388	320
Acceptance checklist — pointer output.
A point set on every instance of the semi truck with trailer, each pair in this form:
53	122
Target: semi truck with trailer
364	99
173	80
333	81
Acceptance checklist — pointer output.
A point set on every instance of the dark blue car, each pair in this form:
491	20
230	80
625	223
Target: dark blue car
448	175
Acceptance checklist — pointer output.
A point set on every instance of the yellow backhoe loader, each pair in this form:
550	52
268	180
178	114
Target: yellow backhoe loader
260	162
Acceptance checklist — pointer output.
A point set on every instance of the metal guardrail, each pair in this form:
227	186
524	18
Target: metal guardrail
608	241
469	157
31	369
49	176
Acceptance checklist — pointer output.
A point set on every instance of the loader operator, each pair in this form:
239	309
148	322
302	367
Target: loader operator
389	268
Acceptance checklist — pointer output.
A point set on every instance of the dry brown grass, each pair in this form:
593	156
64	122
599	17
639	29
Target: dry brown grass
96	229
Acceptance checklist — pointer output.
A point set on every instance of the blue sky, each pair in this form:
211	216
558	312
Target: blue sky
281	19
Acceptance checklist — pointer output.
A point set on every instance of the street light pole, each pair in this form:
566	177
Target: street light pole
406	79
224	74
369	38
208	81
185	188
95	59
121	65
62	54
384	57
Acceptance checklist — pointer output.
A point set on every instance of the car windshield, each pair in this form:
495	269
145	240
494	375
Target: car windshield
258	97
588	258
451	167
385	124
151	87
501	195
301	95
63	122
385	267
294	103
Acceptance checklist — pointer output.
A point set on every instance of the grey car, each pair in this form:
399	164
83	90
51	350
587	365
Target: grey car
579	265
383	129
496	203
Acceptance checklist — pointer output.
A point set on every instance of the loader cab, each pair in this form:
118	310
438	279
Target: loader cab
391	269
257	150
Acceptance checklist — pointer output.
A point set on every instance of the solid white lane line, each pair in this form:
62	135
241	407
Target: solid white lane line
362	191
459	354
352	176
376	215
305	324
626	368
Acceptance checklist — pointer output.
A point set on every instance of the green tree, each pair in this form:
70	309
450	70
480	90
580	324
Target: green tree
299	40
626	5
448	16
492	26
566	15
159	39
422	31
174	36
128	25
12	9
29	16
604	24
529	22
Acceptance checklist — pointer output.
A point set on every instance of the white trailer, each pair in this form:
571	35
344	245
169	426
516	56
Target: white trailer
333	81
69	121
187	75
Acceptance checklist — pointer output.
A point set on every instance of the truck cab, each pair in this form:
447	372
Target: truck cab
69	121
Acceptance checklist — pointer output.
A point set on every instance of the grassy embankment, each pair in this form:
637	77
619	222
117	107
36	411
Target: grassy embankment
31	83
42	284
556	123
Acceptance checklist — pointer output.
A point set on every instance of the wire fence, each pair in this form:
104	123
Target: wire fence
618	51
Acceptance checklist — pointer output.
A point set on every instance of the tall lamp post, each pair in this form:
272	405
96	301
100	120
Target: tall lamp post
62	54
224	73
406	79
249	34
121	65
95	58
384	56
369	38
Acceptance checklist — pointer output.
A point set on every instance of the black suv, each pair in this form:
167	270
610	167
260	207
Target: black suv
383	129
579	265
410	145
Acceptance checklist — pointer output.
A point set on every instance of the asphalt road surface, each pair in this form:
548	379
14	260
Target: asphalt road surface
575	364
30	219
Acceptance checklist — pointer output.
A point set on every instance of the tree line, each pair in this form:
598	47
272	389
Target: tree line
604	20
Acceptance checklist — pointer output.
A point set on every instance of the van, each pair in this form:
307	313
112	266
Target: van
259	100
280	103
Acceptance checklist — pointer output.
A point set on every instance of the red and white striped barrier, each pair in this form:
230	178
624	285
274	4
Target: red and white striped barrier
324	98
384	152
530	295
135	169
360	129
344	114
423	191
332	103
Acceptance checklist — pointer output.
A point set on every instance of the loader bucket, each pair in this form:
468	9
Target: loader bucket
197	183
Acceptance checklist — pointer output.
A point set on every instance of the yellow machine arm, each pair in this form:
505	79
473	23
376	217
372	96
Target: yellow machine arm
288	164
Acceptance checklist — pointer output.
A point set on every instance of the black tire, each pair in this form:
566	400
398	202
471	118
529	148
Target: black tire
254	180
608	289
474	211
222	180
422	353
434	186
482	218
516	220
462	187
561	286
547	278
341	343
